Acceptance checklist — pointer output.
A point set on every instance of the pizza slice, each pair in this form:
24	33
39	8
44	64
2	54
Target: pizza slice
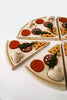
64	47
41	28
49	67
19	51
62	24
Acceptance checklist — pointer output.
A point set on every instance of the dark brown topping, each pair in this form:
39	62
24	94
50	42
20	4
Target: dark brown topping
46	24
35	29
27	49
50	60
49	25
64	25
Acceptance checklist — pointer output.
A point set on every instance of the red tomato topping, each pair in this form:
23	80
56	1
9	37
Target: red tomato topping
25	32
14	44
37	65
39	21
62	19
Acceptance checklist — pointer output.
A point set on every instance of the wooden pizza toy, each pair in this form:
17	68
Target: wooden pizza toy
37	35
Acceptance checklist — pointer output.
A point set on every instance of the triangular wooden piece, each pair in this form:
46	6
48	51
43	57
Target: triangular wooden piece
18	54
45	24
51	76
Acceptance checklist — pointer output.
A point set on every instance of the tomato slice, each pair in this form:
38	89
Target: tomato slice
39	21
25	32
14	44
62	19
37	65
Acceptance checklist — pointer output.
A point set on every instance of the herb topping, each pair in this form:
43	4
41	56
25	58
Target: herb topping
50	26
41	32
25	45
53	61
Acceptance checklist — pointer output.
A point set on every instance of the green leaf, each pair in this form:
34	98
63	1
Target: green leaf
41	32
25	45
52	62
50	26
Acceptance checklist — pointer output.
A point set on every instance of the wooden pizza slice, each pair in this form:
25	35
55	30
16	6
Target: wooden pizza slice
62	24
64	47
19	51
49	67
41	28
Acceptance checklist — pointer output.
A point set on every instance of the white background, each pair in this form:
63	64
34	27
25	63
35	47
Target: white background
19	84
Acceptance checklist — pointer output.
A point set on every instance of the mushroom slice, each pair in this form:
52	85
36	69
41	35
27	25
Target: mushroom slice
17	55
51	18
31	24
56	74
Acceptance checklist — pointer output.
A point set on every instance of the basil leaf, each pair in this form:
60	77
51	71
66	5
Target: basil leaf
50	26
25	45
41	32
52	62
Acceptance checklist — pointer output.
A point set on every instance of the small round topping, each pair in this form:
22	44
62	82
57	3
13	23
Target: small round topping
37	65
62	19
39	21
46	24
64	24
35	29
14	44
48	57
25	32
27	49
